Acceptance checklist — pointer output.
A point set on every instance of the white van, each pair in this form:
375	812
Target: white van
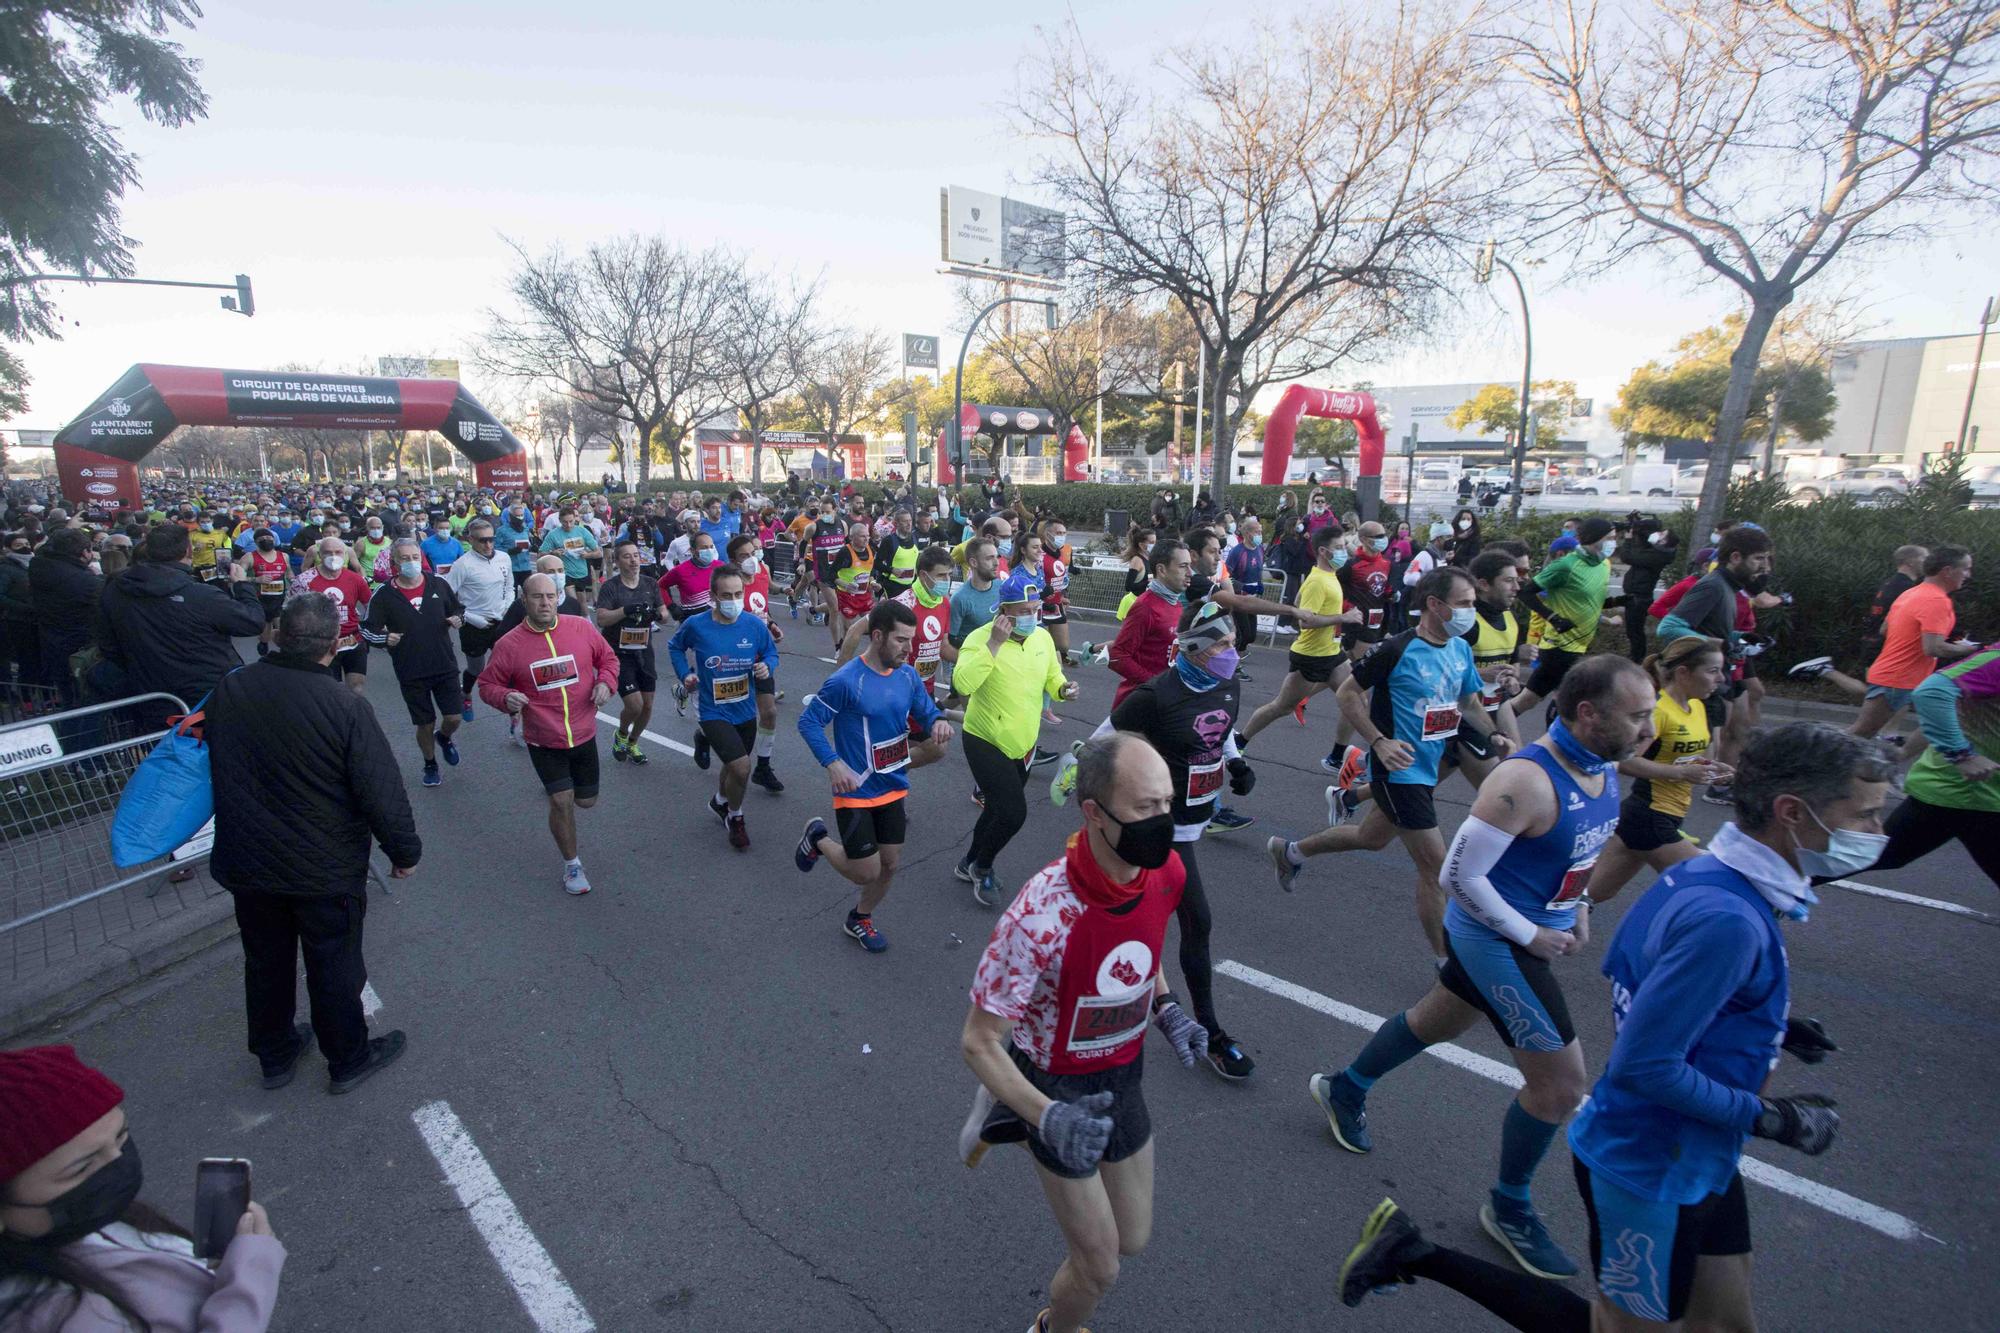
1650	479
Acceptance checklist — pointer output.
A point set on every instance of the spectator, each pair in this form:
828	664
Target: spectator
20	645
169	632
78	1251
65	594
305	778
1465	539
1649	548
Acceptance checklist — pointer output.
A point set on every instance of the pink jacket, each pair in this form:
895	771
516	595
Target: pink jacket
556	669
174	1291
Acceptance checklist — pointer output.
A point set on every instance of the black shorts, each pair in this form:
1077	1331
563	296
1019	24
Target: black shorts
1055	613
1314	670
352	662
520	577
1717	704
273	608
574	769
476	642
1467	742
419	695
1642	828
864	828
1640	1232
1551	665
575	583
730	741
1408	805
638	673
1131	1123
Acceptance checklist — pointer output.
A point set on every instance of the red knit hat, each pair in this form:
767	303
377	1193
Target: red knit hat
47	1098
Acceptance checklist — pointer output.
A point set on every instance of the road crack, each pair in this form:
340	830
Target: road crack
685	1157
613	977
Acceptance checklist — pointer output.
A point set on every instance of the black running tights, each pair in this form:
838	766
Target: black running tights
1196	967
1003	781
1528	1303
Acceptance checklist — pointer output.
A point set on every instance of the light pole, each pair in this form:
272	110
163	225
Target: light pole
1978	354
243	303
1482	273
958	373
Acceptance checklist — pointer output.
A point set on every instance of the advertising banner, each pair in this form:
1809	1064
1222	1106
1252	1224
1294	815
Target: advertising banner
920	351
983	230
503	474
97	480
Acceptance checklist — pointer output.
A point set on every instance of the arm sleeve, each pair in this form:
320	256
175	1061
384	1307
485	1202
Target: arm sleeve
1474	852
1701	963
1531	596
677	649
1128	656
1056	682
974	665
246	1287
375	787
492	683
823	706
375	625
1936	704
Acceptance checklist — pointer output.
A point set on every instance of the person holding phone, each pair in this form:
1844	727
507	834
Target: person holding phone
77	1248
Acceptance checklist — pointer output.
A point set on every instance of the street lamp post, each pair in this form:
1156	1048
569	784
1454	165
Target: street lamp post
243	303
1978	354
1482	273
958	373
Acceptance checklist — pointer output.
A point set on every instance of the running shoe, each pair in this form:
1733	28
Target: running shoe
1520	1231
1064	782
701	750
618	748
985	891
979	798
806	855
465	713
1346	1113
1719	795
1299	713
1228	819
963	870
1389	1240
432	778
1353	764
862	931
1288	874
514	731
635	754
766	777
719	808
449	749
739	832
1226	1058
1811	669
574	882
1042	758
680	699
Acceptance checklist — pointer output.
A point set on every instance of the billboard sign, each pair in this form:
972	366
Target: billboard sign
988	231
920	350
417	367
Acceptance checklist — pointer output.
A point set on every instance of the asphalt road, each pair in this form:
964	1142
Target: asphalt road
703	1108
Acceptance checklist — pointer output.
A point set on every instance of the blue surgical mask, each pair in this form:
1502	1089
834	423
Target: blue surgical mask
1462	620
731	607
1256	540
705	556
1005	547
940	587
1339	556
1848	852
1378	543
410	568
1608	547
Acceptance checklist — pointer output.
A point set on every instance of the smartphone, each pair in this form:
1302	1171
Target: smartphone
221	1196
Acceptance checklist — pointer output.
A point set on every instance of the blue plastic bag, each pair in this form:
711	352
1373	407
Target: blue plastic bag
168	798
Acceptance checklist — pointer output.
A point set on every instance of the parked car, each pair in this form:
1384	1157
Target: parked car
1871	483
1651	479
1985	485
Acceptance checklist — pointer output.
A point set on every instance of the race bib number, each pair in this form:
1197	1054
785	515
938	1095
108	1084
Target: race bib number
346	641
1374	617
1573	885
572	543
271	587
1490	698
890	755
927	671
632	636
1104	1024
1203	782
730	689
1440	722
554	673
441	570
520	543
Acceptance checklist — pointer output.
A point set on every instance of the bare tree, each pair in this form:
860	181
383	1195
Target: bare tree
1298	197
625	328
1761	139
765	338
838	375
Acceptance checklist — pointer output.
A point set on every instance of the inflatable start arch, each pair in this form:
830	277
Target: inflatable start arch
1298	400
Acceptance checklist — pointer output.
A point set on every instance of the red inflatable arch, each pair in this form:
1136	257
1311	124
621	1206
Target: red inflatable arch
1338	404
98	454
979	418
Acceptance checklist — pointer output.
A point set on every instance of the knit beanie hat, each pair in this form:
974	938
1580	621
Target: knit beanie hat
47	1098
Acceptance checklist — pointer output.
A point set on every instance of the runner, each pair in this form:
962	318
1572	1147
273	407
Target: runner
684	587
1188	713
1953	790
576	544
1057	561
410	617
554	672
746	552
1056	1031
1407	699
628	611
1918	635
717	654
853	567
483	581
1004	676
272	569
514	536
1145	641
1686	672
1570	592
1700	993
1315	660
829	538
333	575
875	705
1718	605
1517	872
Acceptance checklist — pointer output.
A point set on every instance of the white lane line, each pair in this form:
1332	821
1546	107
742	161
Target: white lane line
653	736
371	1003
525	1264
830	661
1914	900
1841	1204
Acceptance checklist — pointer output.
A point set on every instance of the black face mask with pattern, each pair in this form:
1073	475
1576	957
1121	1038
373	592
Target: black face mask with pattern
96	1201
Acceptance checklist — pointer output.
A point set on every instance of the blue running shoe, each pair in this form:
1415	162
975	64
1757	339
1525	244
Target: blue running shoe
1519	1229
862	931
432	778
806	855
465	713
449	749
985	891
1346	1114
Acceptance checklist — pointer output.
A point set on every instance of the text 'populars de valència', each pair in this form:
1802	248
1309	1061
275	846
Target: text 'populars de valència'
297	391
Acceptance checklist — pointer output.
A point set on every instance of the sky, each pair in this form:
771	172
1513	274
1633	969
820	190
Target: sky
367	163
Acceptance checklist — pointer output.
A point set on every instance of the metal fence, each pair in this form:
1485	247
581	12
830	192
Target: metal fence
61	775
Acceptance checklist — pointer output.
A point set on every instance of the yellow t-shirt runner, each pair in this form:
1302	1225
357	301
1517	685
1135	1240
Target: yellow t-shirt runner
1321	595
1678	733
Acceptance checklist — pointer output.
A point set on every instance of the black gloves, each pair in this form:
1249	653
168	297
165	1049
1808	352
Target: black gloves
1807	1122
1807	1039
1241	776
1561	624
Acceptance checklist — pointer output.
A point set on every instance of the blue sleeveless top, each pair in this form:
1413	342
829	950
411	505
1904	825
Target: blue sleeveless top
1541	878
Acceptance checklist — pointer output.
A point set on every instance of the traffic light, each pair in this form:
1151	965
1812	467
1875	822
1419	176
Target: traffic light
1482	267
243	303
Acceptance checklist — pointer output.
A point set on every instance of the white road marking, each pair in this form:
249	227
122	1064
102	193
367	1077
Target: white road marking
653	736
830	661
547	1298
371	1003
1914	900
1825	1197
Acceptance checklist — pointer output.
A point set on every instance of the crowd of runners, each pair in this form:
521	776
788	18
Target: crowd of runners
949	626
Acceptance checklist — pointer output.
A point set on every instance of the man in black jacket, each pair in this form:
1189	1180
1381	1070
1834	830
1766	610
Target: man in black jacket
65	595
304	779
169	631
1649	548
412	617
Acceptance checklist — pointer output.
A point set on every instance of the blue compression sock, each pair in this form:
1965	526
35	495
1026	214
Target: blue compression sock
1524	1141
1393	1044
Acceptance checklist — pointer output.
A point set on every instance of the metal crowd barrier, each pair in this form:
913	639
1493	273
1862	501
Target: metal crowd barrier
61	775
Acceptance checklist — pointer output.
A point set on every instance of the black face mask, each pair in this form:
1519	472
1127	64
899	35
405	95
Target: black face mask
1145	843
267	545
96	1201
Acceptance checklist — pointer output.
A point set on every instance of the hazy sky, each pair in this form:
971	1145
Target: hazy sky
362	162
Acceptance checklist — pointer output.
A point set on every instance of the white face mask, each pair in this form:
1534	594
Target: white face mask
331	563
1848	851
1657	539
1608	547
750	564
731	607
